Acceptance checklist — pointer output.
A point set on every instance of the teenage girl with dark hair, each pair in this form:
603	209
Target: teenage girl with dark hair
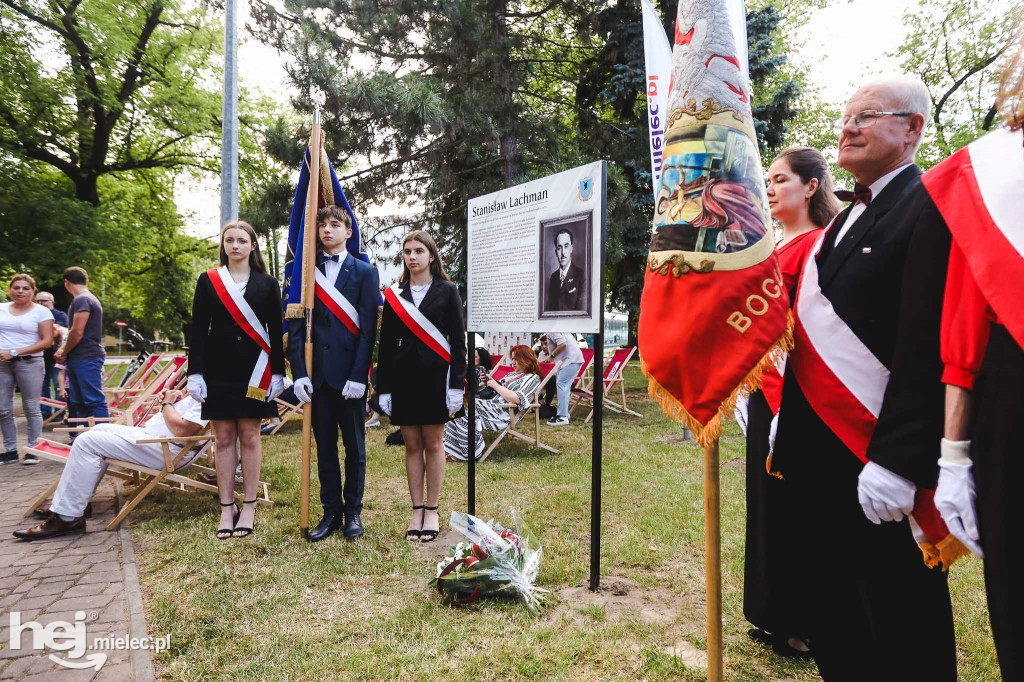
421	370
236	365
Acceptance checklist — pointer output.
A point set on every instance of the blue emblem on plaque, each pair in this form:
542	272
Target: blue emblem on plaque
586	189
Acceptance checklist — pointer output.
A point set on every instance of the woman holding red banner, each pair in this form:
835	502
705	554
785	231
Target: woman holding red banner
236	365
421	371
801	198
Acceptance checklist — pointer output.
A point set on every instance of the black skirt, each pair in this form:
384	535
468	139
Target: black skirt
423	400
997	432
770	597
224	401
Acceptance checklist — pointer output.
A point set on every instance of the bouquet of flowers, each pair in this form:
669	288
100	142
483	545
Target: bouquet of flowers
492	560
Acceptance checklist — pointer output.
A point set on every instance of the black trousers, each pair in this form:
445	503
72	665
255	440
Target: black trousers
874	610
997	435
331	411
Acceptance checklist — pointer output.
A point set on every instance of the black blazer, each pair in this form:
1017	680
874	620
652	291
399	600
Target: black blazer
886	279
567	295
402	357
218	348
338	354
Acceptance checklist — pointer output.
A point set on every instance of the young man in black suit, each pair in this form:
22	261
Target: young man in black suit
567	285
344	330
873	609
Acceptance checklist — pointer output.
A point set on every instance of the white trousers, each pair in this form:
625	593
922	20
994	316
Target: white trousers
86	464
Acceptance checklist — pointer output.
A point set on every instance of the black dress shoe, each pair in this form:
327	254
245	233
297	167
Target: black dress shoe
353	526
328	524
51	528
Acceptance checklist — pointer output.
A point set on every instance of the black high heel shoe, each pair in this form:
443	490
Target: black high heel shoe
229	531
413	534
429	535
245	532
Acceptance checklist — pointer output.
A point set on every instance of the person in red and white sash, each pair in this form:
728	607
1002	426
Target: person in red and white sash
978	192
421	370
236	365
861	410
801	198
344	330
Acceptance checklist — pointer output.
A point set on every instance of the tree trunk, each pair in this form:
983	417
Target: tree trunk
632	319
508	144
86	190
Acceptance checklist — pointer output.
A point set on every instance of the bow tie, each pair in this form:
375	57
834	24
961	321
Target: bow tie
861	193
336	258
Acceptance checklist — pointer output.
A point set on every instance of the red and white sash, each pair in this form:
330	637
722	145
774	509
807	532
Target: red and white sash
840	377
242	313
845	383
978	191
417	322
336	303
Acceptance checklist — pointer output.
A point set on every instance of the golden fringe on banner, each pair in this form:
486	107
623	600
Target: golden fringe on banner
943	554
707	433
256	393
295	311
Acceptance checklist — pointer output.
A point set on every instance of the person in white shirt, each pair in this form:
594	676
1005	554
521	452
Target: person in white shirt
563	348
180	416
26	330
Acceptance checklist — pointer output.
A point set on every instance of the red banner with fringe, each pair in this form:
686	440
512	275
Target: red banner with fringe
714	310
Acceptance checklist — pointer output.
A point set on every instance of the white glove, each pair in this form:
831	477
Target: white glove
352	390
384	400
454	400
883	495
276	386
303	389
197	387
954	496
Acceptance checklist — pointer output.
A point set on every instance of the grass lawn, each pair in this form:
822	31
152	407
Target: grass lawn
274	606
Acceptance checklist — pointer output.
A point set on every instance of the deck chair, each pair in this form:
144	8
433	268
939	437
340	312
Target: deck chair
583	380
612	378
118	396
285	412
548	372
139	406
171	476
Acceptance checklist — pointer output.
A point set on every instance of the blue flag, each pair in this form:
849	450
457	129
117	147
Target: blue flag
330	194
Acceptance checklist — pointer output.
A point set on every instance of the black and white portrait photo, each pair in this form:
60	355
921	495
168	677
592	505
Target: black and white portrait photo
565	275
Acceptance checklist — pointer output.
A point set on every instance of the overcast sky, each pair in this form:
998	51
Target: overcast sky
840	46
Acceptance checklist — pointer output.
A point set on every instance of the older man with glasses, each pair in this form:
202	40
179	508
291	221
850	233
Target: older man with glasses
45	299
862	407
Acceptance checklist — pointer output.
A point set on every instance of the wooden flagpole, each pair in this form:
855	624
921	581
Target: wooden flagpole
713	561
308	295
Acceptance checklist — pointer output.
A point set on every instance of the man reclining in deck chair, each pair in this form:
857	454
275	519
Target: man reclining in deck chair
516	388
179	417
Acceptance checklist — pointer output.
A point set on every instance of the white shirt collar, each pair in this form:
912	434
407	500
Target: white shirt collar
878	185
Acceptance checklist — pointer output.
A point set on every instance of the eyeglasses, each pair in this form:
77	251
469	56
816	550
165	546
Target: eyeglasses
866	118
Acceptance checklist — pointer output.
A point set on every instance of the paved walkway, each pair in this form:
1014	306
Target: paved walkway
54	580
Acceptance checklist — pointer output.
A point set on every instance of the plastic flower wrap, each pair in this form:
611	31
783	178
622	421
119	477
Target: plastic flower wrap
492	560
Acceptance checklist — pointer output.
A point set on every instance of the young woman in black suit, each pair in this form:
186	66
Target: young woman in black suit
236	365
418	387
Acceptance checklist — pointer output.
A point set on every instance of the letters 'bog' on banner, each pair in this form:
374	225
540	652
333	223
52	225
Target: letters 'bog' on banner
713	310
534	254
330	194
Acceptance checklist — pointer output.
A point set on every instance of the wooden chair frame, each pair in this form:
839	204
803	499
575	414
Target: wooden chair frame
147	479
516	417
613	376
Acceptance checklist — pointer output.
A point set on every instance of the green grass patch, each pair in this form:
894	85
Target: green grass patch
275	607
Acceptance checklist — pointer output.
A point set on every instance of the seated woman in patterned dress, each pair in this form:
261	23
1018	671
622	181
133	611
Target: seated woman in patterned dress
516	388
